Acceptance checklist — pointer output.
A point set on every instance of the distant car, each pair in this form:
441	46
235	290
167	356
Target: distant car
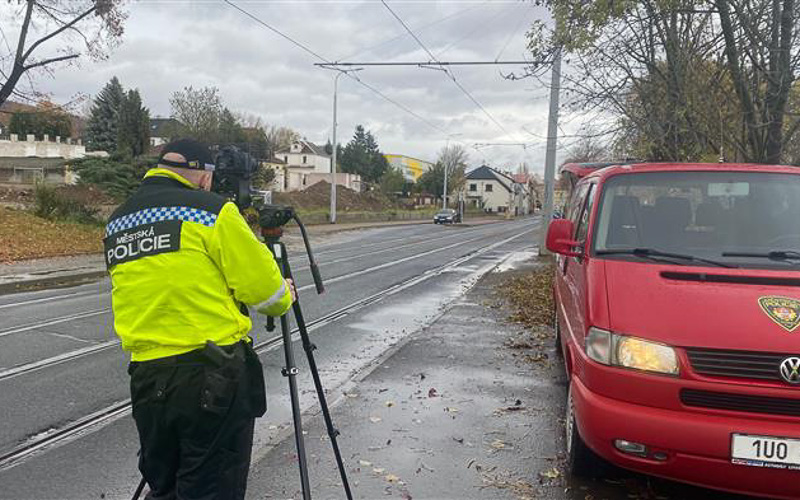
447	216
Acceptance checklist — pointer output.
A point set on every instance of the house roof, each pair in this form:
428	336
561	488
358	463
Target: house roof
308	147
522	178
486	173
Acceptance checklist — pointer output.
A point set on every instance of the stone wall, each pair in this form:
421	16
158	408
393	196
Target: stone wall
50	147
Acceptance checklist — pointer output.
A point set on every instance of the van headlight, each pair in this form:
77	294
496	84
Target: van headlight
631	352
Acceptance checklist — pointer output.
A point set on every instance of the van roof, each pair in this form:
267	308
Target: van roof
609	171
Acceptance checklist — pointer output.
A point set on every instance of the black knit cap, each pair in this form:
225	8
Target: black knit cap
197	155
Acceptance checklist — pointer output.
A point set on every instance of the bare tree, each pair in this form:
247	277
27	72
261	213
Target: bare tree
199	112
279	138
586	150
94	24
454	158
688	79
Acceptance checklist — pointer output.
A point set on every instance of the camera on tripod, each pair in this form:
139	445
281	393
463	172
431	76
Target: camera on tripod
233	174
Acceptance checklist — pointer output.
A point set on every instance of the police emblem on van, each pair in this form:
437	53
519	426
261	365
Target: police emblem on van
782	310
142	241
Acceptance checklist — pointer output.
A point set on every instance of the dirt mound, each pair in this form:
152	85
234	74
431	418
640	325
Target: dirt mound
318	197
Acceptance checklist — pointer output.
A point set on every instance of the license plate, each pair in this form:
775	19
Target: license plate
765	451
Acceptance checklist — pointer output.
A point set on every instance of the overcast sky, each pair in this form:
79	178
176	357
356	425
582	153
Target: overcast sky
169	44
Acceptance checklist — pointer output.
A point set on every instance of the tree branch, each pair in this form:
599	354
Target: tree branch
49	61
23	33
57	32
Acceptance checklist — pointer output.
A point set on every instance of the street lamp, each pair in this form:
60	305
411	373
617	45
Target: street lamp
333	153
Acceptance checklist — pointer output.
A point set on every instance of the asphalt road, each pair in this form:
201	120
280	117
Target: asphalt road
65	432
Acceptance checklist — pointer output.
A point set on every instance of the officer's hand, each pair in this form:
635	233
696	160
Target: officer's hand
292	289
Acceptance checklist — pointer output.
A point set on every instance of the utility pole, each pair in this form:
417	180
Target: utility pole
552	142
335	146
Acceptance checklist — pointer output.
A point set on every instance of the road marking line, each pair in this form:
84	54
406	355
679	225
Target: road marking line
55	321
400	261
54	360
47	299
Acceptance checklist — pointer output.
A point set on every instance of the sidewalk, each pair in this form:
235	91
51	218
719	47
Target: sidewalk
72	270
468	407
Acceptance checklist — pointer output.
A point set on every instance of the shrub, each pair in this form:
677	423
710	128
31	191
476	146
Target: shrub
119	178
57	203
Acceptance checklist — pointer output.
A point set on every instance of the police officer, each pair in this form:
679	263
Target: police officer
182	263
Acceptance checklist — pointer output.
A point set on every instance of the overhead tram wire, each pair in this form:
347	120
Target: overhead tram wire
514	32
328	63
483	24
424	27
446	70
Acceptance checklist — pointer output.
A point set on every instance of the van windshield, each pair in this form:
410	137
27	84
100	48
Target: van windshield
743	219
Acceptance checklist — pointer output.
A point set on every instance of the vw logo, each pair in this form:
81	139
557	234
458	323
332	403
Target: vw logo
790	370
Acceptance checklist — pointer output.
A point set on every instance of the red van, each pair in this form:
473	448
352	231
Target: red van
677	295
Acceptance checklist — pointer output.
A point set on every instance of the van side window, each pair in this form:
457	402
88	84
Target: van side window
576	203
583	223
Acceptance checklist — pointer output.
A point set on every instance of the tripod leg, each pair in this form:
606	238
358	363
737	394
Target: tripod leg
290	372
309	348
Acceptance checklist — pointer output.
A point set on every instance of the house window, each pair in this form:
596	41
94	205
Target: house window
488	188
473	187
304	159
286	158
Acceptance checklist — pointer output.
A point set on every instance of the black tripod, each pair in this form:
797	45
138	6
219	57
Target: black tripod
272	230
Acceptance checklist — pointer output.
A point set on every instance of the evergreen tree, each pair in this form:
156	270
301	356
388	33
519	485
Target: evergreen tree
362	156
133	126
101	130
230	131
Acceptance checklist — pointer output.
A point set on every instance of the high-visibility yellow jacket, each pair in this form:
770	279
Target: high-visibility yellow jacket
181	261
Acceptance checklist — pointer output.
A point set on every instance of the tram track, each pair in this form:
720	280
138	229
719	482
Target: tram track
53	437
96	348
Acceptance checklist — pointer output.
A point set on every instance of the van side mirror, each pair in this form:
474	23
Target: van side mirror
559	238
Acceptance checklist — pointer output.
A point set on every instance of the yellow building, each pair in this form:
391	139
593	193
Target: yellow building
412	168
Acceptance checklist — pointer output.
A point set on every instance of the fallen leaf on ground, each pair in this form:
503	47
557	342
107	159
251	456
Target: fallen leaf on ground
551	474
432	393
391	478
498	444
375	420
389	404
365	463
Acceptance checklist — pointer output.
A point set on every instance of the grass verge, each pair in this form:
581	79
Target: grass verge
25	236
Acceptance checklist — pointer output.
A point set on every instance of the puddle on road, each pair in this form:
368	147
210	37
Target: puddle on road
516	260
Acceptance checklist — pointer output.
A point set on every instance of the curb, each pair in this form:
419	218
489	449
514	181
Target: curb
51	282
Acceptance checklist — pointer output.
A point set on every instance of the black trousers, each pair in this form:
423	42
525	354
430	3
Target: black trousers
195	415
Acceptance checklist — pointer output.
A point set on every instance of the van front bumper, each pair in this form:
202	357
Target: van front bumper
694	447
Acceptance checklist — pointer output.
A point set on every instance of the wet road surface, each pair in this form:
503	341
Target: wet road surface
60	364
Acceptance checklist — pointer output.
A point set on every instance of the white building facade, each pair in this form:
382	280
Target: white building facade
496	192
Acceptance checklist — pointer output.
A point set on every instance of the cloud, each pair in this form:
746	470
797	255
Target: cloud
169	45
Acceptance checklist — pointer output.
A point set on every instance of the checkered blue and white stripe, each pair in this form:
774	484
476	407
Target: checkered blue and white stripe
158	214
